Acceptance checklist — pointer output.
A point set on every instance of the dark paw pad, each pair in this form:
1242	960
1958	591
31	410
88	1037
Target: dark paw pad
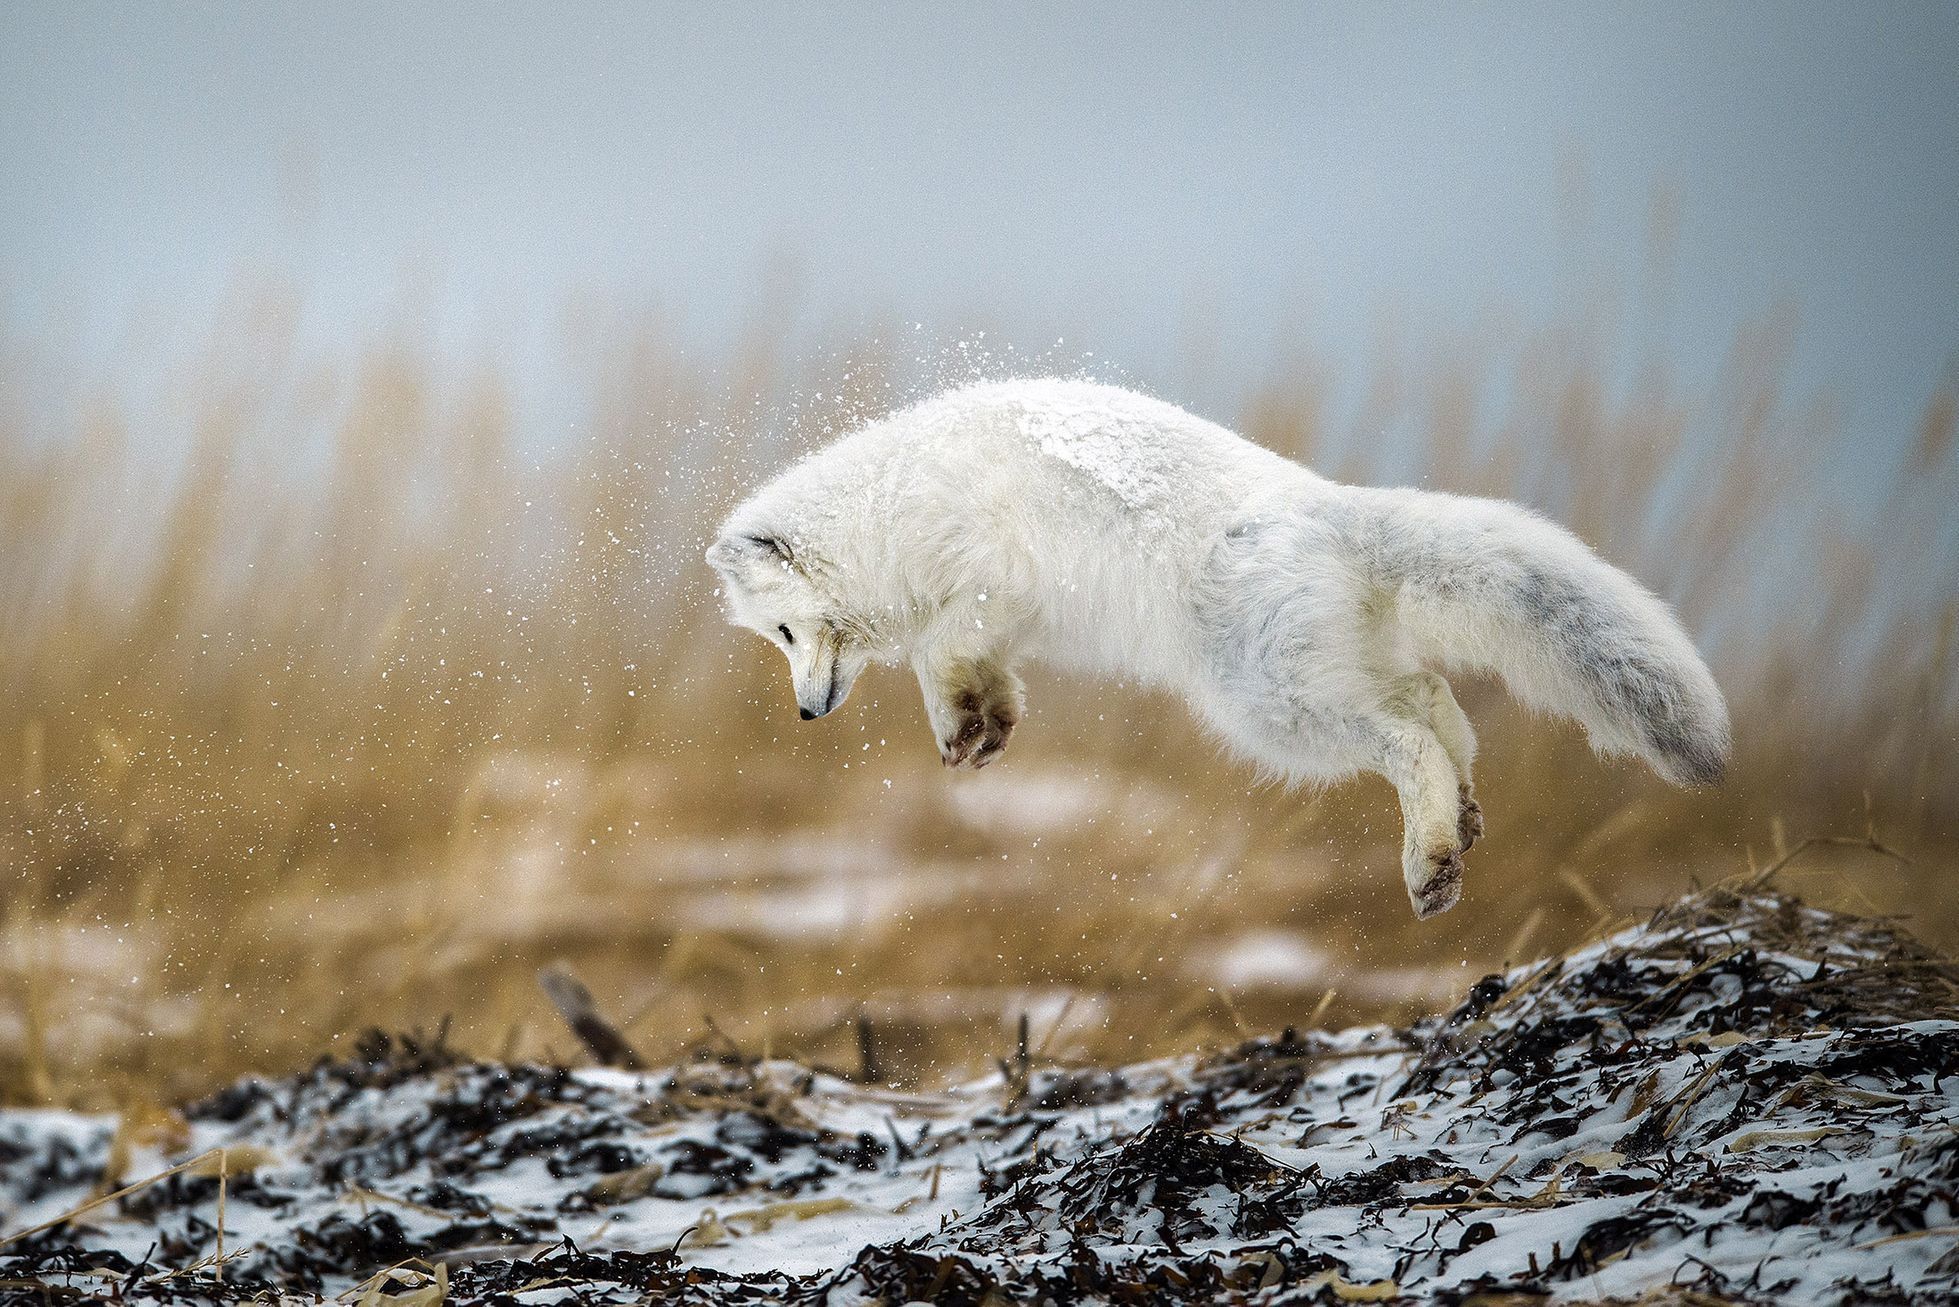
1443	888
981	737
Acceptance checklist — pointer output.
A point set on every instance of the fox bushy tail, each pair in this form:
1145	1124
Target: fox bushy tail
1484	584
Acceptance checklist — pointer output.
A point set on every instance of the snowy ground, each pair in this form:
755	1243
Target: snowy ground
1744	1098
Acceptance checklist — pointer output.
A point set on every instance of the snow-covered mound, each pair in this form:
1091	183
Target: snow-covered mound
1745	1098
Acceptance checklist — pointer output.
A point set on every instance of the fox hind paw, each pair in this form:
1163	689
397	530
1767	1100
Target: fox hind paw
1443	888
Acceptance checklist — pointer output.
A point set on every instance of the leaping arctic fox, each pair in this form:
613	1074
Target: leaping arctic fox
1303	620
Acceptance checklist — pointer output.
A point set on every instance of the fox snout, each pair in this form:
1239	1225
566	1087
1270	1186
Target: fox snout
822	685
823	668
816	693
818	701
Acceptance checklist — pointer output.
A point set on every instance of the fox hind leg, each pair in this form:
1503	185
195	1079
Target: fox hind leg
1305	679
1458	739
1412	755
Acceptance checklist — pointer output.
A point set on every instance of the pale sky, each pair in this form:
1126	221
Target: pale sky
1128	177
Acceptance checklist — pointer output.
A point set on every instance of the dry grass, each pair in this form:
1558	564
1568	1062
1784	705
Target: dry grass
361	710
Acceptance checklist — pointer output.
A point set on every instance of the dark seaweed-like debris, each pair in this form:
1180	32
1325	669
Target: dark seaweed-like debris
1744	1101
1170	1184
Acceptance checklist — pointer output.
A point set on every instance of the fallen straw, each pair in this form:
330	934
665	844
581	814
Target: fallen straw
105	1199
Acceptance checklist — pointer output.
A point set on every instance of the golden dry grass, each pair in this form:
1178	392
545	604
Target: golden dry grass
362	710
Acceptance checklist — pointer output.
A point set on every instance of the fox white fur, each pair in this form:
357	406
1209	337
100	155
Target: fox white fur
1307	622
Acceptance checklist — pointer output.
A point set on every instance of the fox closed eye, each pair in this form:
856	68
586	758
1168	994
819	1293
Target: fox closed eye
787	638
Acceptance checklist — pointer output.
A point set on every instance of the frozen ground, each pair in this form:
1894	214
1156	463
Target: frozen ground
1744	1098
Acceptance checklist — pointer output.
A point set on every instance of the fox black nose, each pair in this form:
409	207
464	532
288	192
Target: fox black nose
806	714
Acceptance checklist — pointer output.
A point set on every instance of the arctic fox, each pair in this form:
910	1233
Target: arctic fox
1306	622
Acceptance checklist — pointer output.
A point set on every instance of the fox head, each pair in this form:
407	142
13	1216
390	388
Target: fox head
775	594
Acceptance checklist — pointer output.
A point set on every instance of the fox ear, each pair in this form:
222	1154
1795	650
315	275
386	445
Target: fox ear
734	550
770	544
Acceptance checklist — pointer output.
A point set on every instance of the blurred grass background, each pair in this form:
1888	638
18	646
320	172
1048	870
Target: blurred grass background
363	710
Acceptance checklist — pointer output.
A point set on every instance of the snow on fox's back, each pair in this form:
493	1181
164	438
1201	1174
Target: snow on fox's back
1137	448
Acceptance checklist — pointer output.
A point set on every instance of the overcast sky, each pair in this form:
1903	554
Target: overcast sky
1129	177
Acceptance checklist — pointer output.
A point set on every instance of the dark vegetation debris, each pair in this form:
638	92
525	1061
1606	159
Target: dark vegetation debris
1744	1100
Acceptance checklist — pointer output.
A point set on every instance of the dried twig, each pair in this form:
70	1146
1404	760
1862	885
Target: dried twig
581	1012
1867	842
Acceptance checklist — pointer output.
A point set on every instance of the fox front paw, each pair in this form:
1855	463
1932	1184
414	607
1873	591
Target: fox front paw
981	728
